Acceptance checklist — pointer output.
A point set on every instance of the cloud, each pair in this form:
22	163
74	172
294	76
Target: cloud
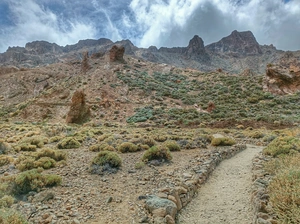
149	22
174	22
32	21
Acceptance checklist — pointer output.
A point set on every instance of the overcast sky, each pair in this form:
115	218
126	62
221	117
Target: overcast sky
148	22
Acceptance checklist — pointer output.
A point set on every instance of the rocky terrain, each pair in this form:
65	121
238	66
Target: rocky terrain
103	132
234	54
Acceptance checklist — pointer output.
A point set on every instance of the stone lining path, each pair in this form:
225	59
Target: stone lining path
225	198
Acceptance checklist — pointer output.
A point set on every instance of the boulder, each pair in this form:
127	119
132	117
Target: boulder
161	206
282	79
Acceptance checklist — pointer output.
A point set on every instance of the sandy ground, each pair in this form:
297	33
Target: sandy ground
225	198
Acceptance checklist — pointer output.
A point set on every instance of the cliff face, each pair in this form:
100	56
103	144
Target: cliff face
237	43
233	54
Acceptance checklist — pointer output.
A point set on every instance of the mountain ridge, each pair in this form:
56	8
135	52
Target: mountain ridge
233	54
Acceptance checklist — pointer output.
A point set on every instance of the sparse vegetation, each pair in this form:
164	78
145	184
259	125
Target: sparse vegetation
282	145
68	143
107	158
128	147
157	153
172	145
225	141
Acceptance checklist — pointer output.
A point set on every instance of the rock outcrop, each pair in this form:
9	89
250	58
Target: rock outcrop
195	47
237	44
284	77
116	53
79	112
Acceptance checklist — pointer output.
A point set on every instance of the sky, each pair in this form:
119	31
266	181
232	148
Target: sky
168	23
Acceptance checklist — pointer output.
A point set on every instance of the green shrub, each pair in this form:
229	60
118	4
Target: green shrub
57	155
139	165
33	180
225	141
4	147
127	147
107	157
68	143
284	191
45	163
25	163
157	153
10	216
25	147
6	201
256	134
4	160
38	141
282	145
172	145
45	158
101	147
148	141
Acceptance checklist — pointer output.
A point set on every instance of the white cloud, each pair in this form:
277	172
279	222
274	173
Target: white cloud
33	22
152	22
174	22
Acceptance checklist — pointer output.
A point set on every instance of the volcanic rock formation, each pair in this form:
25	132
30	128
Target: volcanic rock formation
237	44
79	112
116	53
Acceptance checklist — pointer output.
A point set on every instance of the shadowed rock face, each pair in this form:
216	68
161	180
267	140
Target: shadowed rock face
283	78
116	53
79	112
238	43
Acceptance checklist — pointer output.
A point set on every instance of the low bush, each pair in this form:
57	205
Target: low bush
57	155
25	147
172	145
4	147
4	160
128	147
225	141
33	180
284	191
157	153
105	162
139	165
282	145
68	143
101	147
10	216
148	141
45	158
6	201
38	141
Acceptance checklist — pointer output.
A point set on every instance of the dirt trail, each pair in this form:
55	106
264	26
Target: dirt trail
225	198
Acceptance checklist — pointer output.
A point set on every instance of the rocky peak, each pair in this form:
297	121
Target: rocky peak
237	43
128	45
196	46
43	47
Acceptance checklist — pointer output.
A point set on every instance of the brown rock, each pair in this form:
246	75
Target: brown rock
282	80
169	220
79	112
116	53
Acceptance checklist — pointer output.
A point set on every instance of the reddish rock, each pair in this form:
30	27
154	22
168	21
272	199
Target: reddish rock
116	53
283	78
79	112
211	107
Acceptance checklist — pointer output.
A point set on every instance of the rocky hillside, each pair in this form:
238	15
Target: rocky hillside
234	54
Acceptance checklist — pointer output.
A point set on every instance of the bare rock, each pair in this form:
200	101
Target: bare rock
154	203
116	54
79	112
282	79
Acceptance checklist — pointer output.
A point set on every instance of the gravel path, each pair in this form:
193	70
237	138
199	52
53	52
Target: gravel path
225	198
